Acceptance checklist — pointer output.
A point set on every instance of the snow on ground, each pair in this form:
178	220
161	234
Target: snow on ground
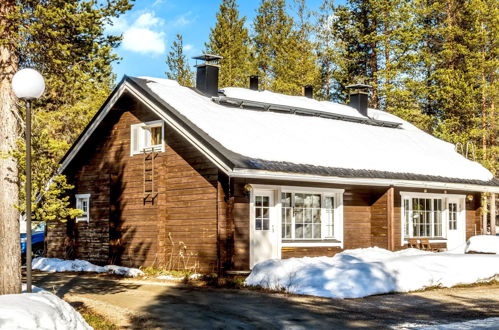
53	265
353	141
177	278
364	272
489	323
38	310
483	244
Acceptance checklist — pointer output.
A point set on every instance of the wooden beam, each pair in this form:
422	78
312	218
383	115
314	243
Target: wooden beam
390	217
484	214
492	214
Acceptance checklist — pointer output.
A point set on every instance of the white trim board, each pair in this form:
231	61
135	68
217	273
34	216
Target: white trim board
262	174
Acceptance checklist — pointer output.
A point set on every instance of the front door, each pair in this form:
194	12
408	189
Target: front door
456	234
263	229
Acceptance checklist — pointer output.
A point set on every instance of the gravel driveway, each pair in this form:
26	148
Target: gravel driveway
168	305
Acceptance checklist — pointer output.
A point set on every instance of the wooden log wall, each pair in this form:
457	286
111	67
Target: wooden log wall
178	231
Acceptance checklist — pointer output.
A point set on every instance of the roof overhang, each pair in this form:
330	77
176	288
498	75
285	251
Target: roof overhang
271	175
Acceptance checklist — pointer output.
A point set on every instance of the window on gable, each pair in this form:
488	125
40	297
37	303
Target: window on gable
146	137
83	204
309	216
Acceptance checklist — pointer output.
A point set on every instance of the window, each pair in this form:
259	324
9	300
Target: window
308	216
453	216
262	212
147	137
423	217
83	203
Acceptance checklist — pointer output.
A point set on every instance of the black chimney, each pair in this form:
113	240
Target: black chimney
207	74
253	84
308	91
359	97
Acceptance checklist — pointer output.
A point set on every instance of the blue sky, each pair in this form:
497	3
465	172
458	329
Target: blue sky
150	27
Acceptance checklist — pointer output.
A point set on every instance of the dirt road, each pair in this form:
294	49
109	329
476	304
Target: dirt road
167	305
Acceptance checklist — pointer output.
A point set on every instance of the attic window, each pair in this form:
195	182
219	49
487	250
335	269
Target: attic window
147	137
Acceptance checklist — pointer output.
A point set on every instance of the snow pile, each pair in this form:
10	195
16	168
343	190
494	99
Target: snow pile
54	265
353	143
483	244
41	310
364	272
124	271
490	323
176	278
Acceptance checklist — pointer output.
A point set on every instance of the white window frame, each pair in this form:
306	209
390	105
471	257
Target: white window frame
444	212
79	198
138	132
337	194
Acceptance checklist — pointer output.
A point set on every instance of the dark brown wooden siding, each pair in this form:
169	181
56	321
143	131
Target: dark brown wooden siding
189	207
178	230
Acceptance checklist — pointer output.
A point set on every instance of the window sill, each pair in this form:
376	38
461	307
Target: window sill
431	239
311	243
149	149
82	220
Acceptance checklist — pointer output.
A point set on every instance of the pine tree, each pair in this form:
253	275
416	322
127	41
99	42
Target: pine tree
326	52
301	61
178	67
65	41
229	39
10	259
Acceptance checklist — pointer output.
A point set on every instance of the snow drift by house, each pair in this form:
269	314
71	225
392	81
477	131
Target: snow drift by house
38	310
58	265
483	244
387	149
364	272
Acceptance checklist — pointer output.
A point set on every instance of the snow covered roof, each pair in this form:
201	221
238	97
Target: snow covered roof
319	141
307	144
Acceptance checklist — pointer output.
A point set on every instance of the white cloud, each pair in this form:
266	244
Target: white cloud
144	41
184	19
188	47
147	20
143	36
117	25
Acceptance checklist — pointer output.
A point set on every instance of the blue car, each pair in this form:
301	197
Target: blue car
37	246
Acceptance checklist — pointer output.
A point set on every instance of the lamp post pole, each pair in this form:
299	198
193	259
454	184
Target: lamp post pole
28	195
28	84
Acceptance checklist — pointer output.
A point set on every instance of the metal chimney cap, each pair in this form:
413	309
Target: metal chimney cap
359	86
207	57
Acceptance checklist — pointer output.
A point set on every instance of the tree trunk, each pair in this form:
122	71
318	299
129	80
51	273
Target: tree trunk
10	255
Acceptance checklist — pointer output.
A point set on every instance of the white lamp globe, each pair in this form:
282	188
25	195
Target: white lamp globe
28	84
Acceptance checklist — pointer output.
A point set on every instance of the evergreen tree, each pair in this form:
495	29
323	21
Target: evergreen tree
65	41
229	39
10	258
326	53
178	67
301	55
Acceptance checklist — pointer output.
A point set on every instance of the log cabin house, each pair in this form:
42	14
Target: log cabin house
219	180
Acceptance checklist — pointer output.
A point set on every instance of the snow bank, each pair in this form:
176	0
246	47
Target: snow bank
483	244
41	310
176	278
364	272
53	265
490	323
353	143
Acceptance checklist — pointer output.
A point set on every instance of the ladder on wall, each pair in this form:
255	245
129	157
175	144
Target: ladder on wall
150	185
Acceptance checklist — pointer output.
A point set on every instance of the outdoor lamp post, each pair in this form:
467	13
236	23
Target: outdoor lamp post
28	85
